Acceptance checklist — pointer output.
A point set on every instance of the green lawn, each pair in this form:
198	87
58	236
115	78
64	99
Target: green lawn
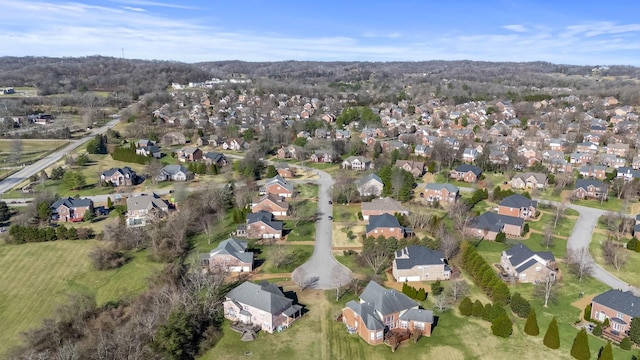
300	254
307	191
304	232
564	226
613	204
342	212
37	277
628	273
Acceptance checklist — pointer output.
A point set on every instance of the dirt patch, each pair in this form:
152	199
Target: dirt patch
340	238
583	301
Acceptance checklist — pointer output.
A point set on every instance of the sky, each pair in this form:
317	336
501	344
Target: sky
574	32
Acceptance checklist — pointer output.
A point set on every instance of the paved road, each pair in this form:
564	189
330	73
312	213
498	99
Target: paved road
322	265
13	180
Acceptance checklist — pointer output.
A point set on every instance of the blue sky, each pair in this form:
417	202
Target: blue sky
567	32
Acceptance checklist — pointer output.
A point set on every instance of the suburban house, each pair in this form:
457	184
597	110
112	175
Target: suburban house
518	206
231	255
488	225
380	310
440	192
216	158
617	306
414	167
277	186
628	174
189	154
469	155
357	163
119	176
271	203
260	225
70	209
174	173
144	143
589	189
144	209
527	266
593	171
370	185
419	263
235	144
382	206
150	150
322	156
385	225
529	181
467	173
284	170
261	304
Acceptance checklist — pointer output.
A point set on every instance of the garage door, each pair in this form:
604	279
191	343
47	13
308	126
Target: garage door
409	278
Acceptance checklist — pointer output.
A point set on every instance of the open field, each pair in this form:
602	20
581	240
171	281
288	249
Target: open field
32	150
627	273
37	277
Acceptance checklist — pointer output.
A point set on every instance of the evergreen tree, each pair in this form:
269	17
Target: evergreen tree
5	211
519	305
271	171
597	330
625	344
422	294
587	312
531	327
605	323
580	348
109	203
466	307
552	336
607	352
634	330
502	326
478	309
486	312
436	287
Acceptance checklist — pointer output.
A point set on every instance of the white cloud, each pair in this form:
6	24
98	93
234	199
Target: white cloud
516	28
133	8
154	4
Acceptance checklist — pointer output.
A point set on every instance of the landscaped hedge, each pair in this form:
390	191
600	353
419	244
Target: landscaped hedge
483	275
19	234
128	154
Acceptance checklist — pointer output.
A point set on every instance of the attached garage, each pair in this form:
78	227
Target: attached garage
408	278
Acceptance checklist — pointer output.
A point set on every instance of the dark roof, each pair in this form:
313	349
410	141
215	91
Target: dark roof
526	265
519	253
71	203
214	156
417	255
585	183
621	301
382	221
264	296
386	301
266	217
438	186
235	248
494	222
367	313
517	201
463	168
124	171
368	178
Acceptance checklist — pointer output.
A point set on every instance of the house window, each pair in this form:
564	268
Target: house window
418	325
617	327
620	315
388	321
379	335
404	324
373	335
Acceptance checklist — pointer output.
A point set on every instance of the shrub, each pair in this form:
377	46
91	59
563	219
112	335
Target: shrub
103	258
502	326
597	330
633	244
466	307
531	327
605	324
519	305
437	288
478	309
587	312
625	344
501	237
580	349
525	229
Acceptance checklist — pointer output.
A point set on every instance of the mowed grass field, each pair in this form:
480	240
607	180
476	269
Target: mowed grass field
31	149
36	278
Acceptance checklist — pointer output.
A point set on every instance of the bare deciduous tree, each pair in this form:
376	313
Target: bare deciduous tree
457	289
560	208
449	245
546	289
459	213
303	279
377	258
547	237
580	263
153	169
340	277
614	254
442	302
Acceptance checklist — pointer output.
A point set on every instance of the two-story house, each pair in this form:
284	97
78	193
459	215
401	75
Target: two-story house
527	266
277	186
70	209
441	192
190	154
619	307
379	310
119	177
370	185
271	203
419	263
488	225
414	167
589	189
529	181
518	206
230	255
261	225
385	225
357	163
381	206
145	209
467	173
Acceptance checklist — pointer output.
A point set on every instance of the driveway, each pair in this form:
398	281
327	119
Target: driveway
322	267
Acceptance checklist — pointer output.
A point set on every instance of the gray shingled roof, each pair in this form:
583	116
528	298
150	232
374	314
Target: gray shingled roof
421	315
519	253
494	222
386	301
368	178
124	171
585	183
146	202
621	301
173	169
418	255
367	313
526	265
463	168
278	179
384	204
234	247
264	296
517	201
382	221
266	217
438	186
71	203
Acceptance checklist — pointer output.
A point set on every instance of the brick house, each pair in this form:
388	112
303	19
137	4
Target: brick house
189	154
271	203
617	306
70	209
370	185
261	304
589	189
618	149
231	255
414	167
284	170
380	310
260	225
419	263
527	266
382	206
467	173
440	192
144	209
518	206
488	225
593	171
119	176
384	225
278	187
357	163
